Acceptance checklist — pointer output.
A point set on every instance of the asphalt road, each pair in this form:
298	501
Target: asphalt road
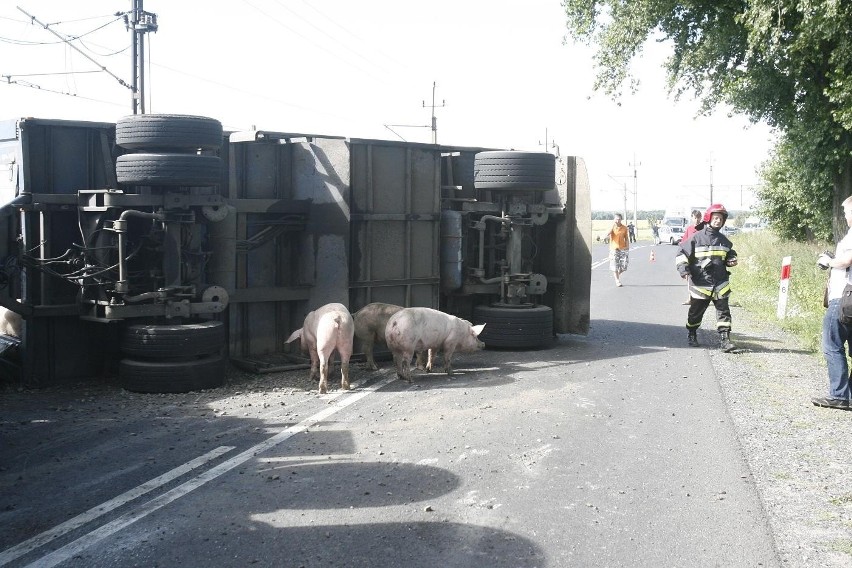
613	449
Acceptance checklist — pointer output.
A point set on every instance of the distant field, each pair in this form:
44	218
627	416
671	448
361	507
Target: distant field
600	227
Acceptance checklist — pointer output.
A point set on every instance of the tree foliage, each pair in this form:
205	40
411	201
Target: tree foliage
785	62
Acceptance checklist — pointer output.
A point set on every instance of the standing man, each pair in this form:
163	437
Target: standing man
696	224
835	335
631	231
690	230
619	248
704	259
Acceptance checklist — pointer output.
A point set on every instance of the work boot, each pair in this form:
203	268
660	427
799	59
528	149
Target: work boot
693	338
725	341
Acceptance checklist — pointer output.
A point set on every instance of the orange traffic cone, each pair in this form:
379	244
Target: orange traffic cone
653	257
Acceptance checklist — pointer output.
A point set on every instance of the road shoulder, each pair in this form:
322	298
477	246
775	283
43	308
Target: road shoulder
798	453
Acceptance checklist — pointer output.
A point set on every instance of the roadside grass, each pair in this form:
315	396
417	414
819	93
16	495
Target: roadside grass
756	283
843	546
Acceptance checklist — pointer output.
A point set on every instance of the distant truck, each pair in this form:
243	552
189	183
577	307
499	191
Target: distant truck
683	212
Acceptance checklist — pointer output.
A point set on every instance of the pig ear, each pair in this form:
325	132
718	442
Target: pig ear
294	336
477	329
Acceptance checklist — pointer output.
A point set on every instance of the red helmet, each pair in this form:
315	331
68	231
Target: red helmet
715	208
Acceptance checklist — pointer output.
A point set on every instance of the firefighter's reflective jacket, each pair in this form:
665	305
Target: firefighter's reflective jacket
703	258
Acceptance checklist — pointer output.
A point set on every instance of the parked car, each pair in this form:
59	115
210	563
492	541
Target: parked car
671	234
730	231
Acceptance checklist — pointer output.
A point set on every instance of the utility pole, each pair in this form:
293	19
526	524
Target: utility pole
140	23
711	178
635	187
553	144
434	120
624	185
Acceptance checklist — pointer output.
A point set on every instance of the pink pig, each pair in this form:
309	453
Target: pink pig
325	330
370	324
418	329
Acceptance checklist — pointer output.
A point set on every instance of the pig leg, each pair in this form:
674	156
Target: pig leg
323	373
425	360
368	351
421	361
397	362
314	364
406	365
345	354
448	362
403	364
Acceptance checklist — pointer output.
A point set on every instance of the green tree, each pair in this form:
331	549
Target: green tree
785	62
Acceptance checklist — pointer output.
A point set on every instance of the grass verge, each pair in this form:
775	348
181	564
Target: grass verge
756	283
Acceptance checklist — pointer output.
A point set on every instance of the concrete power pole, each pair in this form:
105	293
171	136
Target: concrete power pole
434	119
140	23
635	188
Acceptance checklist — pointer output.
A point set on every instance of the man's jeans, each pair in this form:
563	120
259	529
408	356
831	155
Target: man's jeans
835	336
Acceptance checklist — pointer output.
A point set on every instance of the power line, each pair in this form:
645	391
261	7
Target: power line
72	46
26	84
50	74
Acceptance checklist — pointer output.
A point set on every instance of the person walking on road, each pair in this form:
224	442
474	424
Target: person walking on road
619	248
704	260
836	335
690	230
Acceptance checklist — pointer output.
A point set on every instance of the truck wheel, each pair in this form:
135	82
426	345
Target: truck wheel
168	169
172	376
514	170
514	327
168	132
184	341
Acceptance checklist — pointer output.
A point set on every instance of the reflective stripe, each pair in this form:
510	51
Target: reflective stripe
711	254
706	248
699	292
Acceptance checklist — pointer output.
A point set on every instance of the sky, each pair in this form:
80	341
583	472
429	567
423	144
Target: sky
501	73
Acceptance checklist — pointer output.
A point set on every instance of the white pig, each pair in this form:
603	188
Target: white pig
418	329
10	322
325	330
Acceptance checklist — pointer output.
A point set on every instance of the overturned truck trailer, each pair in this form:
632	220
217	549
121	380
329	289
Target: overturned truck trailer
160	248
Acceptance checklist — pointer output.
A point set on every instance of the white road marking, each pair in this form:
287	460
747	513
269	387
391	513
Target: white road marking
37	541
77	546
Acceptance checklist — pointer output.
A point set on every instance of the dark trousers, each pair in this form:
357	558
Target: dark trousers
698	307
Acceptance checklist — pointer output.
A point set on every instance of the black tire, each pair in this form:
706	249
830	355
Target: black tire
514	170
168	169
514	327
172	376
186	341
165	132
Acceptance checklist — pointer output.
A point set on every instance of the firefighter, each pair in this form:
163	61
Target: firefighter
704	259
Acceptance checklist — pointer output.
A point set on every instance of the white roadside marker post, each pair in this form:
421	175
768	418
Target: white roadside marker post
784	290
